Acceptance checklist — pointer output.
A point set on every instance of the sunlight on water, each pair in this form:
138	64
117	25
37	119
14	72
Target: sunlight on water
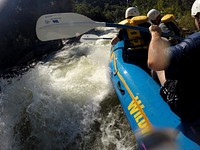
54	105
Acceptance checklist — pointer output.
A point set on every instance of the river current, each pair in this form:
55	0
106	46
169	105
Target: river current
65	102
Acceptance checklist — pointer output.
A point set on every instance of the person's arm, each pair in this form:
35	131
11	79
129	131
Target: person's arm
158	54
118	37
114	40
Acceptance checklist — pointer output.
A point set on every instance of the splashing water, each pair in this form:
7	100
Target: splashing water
58	104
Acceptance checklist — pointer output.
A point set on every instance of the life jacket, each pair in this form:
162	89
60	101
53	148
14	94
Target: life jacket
134	36
169	21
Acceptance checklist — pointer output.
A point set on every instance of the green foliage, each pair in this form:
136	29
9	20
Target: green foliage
144	5
114	13
186	21
113	10
83	8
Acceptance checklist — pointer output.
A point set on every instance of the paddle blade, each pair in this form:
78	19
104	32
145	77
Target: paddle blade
91	38
63	25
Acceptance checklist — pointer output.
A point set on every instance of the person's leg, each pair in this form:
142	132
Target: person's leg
161	76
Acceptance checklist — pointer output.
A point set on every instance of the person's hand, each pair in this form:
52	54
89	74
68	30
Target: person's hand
155	29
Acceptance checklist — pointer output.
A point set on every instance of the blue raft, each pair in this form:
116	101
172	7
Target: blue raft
139	96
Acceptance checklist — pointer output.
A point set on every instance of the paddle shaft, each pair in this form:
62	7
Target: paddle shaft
88	38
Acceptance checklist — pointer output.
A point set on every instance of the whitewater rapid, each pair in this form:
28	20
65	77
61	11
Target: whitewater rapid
65	102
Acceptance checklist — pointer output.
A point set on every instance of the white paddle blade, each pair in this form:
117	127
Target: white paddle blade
64	25
89	38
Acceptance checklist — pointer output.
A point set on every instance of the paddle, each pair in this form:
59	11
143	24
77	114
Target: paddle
68	25
91	37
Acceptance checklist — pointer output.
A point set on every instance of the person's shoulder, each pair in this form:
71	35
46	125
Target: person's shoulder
194	39
190	42
168	18
195	35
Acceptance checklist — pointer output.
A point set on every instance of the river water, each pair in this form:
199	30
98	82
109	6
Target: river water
65	102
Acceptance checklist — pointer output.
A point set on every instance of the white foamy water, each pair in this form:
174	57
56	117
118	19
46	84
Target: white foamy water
56	105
